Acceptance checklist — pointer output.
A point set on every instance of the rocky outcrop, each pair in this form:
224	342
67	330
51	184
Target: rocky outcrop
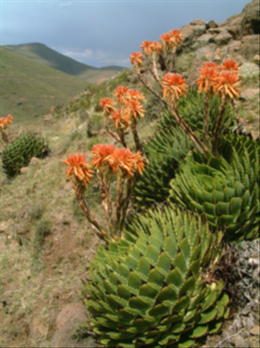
251	19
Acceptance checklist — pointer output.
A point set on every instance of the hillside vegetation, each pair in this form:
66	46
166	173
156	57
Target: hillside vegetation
29	89
42	54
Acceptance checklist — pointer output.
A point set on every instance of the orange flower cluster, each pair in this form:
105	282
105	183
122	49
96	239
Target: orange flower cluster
129	101
120	119
128	162
173	86
171	39
150	47
223	79
106	105
79	167
5	122
137	59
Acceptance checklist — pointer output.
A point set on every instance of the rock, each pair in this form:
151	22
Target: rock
249	93
249	46
102	131
211	24
34	161
24	170
255	331
190	33
67	321
68	186
206	51
194	72
257	59
251	20
198	22
3	226
249	70
203	40
222	38
240	342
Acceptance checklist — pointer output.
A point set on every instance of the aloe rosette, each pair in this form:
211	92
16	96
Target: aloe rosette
225	190
147	289
191	108
164	154
19	153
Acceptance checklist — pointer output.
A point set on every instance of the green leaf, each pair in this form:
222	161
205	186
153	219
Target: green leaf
159	311
175	278
143	266
208	315
199	331
167	294
235	206
155	276
222	208
183	303
214	327
210	299
134	281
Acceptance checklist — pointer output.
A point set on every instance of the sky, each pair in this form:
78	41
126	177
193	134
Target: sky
103	32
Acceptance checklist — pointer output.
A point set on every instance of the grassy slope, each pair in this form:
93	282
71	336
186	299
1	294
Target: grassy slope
44	55
28	88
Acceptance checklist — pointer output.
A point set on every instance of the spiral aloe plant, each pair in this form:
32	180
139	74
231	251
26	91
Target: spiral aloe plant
164	153
225	190
19	153
146	289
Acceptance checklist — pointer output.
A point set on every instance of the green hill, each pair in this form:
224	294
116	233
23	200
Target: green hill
29	89
42	54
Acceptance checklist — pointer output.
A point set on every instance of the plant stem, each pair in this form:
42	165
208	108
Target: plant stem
150	89
206	121
217	135
138	144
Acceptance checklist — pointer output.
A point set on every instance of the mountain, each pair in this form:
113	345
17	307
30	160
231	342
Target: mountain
29	88
42	54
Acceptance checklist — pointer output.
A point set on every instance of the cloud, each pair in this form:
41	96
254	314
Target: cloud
78	55
65	4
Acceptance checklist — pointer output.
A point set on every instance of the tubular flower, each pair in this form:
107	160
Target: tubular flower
121	94
127	161
226	84
173	86
175	37
5	121
101	154
156	47
106	105
134	108
207	79
230	65
166	41
79	167
137	59
209	64
147	47
120	119
135	94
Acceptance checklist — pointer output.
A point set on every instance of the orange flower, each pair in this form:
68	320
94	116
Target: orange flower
106	105
156	47
121	94
230	64
79	167
135	108
9	119
136	59
5	121
226	84
209	64
135	94
52	110
128	162
207	79
101	154
166	41
120	119
175	37
147	47
173	86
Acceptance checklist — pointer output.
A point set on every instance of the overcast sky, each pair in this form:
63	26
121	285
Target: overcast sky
101	33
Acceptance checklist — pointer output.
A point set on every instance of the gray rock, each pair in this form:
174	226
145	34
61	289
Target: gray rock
249	70
251	20
198	22
203	40
222	38
211	24
67	321
206	51
250	46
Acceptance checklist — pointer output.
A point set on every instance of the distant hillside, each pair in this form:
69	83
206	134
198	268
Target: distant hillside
44	55
29	89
